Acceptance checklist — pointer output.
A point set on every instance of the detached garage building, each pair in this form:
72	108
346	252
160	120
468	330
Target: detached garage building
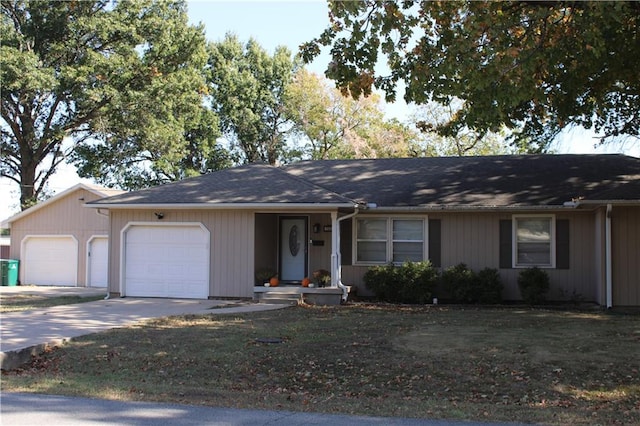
60	242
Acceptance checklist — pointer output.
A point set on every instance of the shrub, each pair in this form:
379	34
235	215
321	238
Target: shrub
489	286
466	286
382	281
534	284
417	280
411	282
458	281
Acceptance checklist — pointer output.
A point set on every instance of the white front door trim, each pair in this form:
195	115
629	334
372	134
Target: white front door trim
293	234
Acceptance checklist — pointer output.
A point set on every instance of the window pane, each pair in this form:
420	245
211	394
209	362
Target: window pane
372	251
408	230
533	241
407	252
372	229
534	230
534	254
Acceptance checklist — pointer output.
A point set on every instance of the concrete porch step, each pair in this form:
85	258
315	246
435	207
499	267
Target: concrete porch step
297	294
285	298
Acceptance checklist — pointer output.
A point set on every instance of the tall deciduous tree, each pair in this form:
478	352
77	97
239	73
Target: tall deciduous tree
133	162
102	75
247	87
540	66
331	125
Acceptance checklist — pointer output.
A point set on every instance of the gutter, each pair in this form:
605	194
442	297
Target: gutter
99	213
338	255
608	202
463	208
222	206
607	255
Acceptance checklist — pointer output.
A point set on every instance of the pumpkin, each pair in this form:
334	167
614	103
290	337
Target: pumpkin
273	282
305	282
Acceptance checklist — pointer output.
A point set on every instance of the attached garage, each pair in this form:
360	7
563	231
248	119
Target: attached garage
168	260
50	260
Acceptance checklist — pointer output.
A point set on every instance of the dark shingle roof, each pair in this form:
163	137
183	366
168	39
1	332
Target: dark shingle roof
493	181
249	184
526	180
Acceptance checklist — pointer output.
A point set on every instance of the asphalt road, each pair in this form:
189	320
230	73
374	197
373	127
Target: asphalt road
30	409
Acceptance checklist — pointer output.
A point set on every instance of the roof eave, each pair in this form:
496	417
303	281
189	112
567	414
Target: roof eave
595	203
465	208
7	222
221	206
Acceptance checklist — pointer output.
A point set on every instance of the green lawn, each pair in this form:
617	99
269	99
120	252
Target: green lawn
510	364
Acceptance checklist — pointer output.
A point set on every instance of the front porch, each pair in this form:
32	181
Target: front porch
294	247
295	294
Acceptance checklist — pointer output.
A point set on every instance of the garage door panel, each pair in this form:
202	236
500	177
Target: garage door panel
167	261
50	261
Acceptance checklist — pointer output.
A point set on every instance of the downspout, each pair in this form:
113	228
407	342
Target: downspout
607	255
108	295
336	256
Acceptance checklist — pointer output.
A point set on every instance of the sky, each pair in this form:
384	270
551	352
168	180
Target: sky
273	23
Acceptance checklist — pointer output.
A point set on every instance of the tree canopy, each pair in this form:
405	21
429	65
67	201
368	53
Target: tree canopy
533	66
428	117
118	84
331	125
247	90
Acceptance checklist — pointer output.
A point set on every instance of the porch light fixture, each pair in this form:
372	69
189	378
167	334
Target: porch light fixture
316	228
159	215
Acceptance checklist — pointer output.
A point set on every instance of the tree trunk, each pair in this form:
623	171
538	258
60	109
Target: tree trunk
28	195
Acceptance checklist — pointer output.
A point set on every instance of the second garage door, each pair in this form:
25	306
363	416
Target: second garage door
50	260
98	262
166	261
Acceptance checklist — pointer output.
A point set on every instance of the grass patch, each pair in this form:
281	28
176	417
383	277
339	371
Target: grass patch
525	365
25	302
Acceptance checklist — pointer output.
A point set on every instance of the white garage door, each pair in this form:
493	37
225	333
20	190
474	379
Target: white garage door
50	261
98	262
166	261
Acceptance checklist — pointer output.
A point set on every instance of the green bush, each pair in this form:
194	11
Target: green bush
534	285
382	281
411	282
458	281
489	286
417	280
466	286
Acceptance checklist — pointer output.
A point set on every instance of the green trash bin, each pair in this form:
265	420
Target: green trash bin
9	268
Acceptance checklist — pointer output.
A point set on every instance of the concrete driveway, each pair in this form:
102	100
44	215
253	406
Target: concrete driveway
29	332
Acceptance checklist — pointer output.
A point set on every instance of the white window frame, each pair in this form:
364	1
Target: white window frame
389	239
552	241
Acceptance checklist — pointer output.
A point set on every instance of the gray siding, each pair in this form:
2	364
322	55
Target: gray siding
473	238
232	246
625	248
320	256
